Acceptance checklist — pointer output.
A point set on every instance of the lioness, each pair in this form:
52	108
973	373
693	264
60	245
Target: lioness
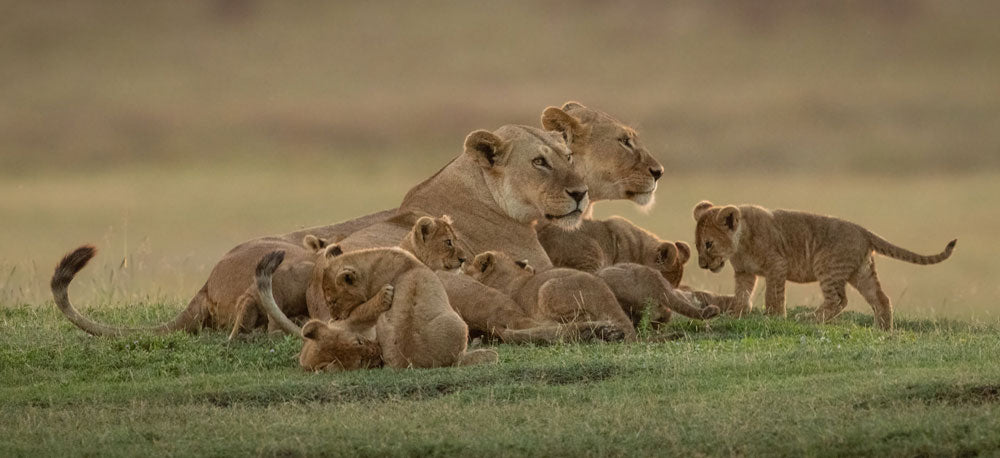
609	155
785	245
555	293
420	329
229	299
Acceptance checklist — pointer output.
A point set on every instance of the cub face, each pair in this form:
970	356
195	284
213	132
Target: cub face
344	287
613	159
435	243
530	174
669	258
494	268
331	346
716	234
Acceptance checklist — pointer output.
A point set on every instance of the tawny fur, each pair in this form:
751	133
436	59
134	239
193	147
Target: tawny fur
347	344
783	245
563	295
229	300
421	329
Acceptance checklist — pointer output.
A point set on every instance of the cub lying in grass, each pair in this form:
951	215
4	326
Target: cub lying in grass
616	250
784	245
420	329
347	344
562	295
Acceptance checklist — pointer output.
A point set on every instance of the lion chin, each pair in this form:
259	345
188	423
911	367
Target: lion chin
569	220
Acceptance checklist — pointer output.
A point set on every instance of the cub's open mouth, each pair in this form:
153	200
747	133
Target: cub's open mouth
572	214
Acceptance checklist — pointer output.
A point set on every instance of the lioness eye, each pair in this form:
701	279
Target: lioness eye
627	141
540	162
448	242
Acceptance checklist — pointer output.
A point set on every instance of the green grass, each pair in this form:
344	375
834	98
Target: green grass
756	386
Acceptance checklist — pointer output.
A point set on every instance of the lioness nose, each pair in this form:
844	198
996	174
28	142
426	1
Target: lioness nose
577	195
656	173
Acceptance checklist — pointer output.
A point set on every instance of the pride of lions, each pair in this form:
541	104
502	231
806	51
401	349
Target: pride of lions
500	243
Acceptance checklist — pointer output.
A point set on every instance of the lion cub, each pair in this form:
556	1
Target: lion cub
602	243
619	252
340	345
562	295
420	329
783	245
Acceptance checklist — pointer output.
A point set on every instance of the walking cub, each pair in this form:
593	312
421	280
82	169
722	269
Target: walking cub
783	245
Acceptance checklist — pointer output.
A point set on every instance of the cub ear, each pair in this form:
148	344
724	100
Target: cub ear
524	265
446	219
333	251
683	252
558	120
312	329
487	148
666	254
701	208
485	262
313	243
346	277
425	225
729	217
571	105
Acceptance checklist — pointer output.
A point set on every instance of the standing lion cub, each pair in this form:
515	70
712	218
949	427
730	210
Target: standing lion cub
783	245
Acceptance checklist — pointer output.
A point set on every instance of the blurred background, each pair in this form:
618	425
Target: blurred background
168	132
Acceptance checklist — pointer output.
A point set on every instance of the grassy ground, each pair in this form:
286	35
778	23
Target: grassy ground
755	386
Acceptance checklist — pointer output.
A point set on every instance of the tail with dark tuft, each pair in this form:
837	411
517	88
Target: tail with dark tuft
265	271
266	268
70	265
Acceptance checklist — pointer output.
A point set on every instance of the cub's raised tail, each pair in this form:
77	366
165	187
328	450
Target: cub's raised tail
886	248
191	319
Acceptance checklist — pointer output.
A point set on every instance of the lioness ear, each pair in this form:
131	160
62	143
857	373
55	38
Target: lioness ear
729	217
313	243
683	252
311	329
487	148
333	251
347	277
666	254
558	120
571	105
701	208
524	265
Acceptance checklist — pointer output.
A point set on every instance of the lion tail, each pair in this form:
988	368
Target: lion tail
265	272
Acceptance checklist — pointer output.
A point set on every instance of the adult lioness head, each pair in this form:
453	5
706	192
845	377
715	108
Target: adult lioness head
612	159
530	174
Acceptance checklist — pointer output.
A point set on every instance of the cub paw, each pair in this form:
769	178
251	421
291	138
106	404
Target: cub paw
386	296
605	332
709	312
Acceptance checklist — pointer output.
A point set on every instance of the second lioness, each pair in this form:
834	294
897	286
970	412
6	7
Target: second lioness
558	294
784	245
